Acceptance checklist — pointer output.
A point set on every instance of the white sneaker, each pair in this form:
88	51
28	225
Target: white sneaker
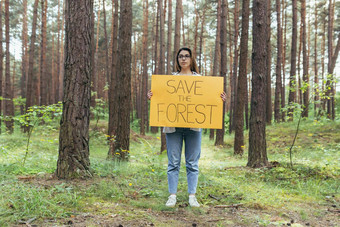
171	201
193	201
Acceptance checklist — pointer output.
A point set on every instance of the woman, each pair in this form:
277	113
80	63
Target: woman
185	65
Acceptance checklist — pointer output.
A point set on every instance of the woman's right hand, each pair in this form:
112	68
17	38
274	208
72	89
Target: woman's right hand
149	94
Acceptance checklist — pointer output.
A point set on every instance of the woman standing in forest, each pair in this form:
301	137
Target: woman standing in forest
185	65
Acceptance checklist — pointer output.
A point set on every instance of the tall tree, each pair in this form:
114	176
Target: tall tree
284	43
1	61
73	160
316	76
161	68
123	81
144	105
43	73
201	41
106	48
177	38
9	107
278	83
113	114
57	77
156	52
242	82
305	74
217	52
24	49
233	80
96	71
331	62
223	69
168	57
30	76
257	156
269	106
292	76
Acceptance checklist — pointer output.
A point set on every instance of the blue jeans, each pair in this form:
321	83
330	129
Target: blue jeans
174	142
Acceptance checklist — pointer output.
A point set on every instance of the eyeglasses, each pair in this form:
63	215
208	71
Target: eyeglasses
184	56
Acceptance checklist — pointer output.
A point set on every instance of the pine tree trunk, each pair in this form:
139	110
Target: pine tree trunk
305	74
9	107
123	80
278	83
234	74
23	55
43	74
169	58
316	78
107	71
156	70
96	71
113	114
292	77
1	61
242	82
201	43
73	160
30	76
299	97
223	69
217	53
330	76
145	69
177	38
283	90
269	105
52	81
257	154
161	61
57	76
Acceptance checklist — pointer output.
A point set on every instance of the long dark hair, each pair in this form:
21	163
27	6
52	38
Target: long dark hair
193	65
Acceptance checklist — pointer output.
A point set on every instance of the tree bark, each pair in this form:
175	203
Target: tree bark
234	74
30	76
9	107
43	74
269	105
292	76
330	77
107	73
113	114
169	59
145	68
278	83
223	70
1	61
123	81
316	78
242	82
23	55
257	154
305	74
156	53
177	38
217	53
57	76
73	160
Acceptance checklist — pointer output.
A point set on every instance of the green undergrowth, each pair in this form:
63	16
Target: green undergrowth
29	192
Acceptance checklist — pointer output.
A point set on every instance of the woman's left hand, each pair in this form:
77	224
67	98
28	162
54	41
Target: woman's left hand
224	96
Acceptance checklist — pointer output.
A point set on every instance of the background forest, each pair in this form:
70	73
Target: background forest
298	43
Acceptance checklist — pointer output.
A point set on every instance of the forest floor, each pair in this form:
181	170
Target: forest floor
134	193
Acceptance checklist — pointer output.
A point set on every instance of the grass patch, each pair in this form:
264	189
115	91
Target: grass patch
136	191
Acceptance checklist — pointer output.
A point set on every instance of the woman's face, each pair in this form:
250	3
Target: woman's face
184	59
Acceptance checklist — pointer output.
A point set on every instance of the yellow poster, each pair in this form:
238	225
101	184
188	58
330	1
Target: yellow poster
186	101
